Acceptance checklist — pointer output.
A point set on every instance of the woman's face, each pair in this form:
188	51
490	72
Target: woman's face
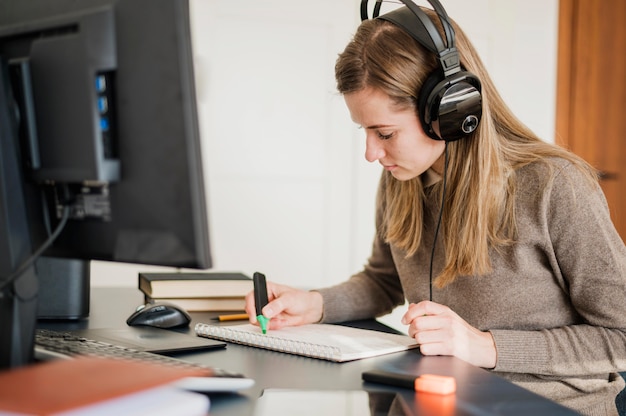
394	138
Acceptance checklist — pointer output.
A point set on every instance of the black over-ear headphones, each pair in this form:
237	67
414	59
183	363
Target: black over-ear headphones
449	102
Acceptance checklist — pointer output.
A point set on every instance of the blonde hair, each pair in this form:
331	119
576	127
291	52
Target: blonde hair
479	209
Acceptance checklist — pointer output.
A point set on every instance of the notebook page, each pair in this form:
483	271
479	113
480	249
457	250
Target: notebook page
325	341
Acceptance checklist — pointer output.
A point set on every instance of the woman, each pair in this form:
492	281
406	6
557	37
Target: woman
519	271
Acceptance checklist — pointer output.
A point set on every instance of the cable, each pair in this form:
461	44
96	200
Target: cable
443	199
29	261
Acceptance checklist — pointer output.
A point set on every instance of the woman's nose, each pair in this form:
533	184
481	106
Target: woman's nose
373	149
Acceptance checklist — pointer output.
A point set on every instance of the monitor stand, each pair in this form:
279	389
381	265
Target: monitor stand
63	288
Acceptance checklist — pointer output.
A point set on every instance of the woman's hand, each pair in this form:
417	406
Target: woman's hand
440	331
287	306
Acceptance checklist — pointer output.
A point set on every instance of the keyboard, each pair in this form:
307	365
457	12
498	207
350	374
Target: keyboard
50	344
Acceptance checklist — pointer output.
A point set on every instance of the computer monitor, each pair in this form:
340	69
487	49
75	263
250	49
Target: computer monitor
99	143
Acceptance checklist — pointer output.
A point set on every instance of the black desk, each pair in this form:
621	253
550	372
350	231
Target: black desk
478	391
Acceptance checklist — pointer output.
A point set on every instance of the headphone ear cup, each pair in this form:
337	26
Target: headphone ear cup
450	108
423	107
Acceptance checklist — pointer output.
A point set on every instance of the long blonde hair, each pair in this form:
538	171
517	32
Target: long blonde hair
479	209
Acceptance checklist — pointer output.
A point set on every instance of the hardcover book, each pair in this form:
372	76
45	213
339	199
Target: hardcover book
204	304
194	285
97	386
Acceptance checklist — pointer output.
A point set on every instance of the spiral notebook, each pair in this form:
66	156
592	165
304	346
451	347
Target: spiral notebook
325	341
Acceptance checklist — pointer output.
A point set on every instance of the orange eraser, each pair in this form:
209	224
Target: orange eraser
431	383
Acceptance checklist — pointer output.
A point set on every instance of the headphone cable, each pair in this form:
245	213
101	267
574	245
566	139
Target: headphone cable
443	198
33	257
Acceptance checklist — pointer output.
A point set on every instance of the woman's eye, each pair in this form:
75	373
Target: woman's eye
385	136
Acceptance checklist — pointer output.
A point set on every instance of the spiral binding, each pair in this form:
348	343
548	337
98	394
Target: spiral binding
269	342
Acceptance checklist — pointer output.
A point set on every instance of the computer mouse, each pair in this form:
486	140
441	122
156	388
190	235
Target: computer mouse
159	315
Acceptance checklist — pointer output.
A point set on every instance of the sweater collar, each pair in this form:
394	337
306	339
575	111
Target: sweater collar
430	177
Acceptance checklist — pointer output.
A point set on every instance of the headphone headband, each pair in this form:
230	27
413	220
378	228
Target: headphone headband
425	32
449	102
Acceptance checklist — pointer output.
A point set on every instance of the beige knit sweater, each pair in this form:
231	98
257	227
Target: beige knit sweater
555	302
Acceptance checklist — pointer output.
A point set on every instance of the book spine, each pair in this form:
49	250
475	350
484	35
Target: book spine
324	352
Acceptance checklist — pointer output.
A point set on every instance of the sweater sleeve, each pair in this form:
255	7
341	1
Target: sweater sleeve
589	257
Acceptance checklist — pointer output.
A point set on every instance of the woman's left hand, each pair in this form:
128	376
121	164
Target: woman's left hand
440	331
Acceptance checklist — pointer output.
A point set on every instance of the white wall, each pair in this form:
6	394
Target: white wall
517	41
289	191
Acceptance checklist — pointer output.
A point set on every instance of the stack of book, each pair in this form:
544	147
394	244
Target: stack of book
197	292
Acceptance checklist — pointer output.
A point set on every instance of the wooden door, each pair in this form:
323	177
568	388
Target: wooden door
591	92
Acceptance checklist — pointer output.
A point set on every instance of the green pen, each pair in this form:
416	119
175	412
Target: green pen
260	299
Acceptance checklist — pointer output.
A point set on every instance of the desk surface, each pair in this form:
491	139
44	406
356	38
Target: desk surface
478	391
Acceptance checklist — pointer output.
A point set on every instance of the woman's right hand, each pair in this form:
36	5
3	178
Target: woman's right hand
287	306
